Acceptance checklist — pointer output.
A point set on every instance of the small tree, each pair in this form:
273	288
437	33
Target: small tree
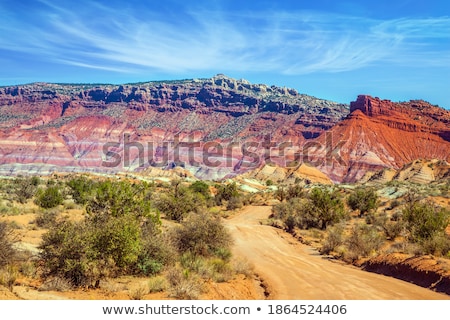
329	206
363	199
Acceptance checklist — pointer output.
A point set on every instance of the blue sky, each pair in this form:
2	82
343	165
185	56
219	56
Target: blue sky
398	50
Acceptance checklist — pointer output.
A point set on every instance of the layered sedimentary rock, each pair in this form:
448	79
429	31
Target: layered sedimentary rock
211	126
214	128
380	134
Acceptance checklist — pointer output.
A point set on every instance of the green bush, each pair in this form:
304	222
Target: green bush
118	240
328	205
320	209
49	198
363	199
178	204
438	244
81	189
424	220
83	252
156	252
225	192
295	191
333	239
290	192
119	236
201	234
363	240
65	252
202	188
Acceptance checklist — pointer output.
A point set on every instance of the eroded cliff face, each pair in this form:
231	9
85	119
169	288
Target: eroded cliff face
52	126
214	127
380	134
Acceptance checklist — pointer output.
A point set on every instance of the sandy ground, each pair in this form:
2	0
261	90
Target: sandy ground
292	270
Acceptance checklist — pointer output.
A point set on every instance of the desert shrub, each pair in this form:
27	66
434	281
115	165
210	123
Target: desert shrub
139	292
222	270
183	285
7	251
333	239
290	192
225	192
65	252
392	227
25	188
328	205
202	188
424	220
28	268
242	266
176	205
202	234
81	189
280	193
363	240
46	218
117	240
295	191
49	198
8	277
234	203
84	252
438	244
296	213
156	252
120	198
363	200
157	284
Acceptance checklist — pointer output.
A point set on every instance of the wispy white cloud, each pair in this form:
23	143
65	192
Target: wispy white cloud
106	38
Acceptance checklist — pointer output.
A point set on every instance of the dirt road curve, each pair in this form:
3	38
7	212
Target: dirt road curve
295	271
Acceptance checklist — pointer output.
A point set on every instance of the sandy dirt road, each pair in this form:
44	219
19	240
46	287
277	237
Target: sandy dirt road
294	271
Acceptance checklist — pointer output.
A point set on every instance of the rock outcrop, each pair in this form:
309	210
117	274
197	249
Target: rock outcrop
379	134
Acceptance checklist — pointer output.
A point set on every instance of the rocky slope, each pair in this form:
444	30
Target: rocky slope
215	128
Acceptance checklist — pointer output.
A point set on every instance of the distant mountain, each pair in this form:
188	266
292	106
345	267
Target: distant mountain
213	128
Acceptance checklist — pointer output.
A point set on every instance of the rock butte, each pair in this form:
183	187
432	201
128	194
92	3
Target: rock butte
215	128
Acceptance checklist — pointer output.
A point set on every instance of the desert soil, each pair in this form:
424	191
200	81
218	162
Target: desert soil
292	270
